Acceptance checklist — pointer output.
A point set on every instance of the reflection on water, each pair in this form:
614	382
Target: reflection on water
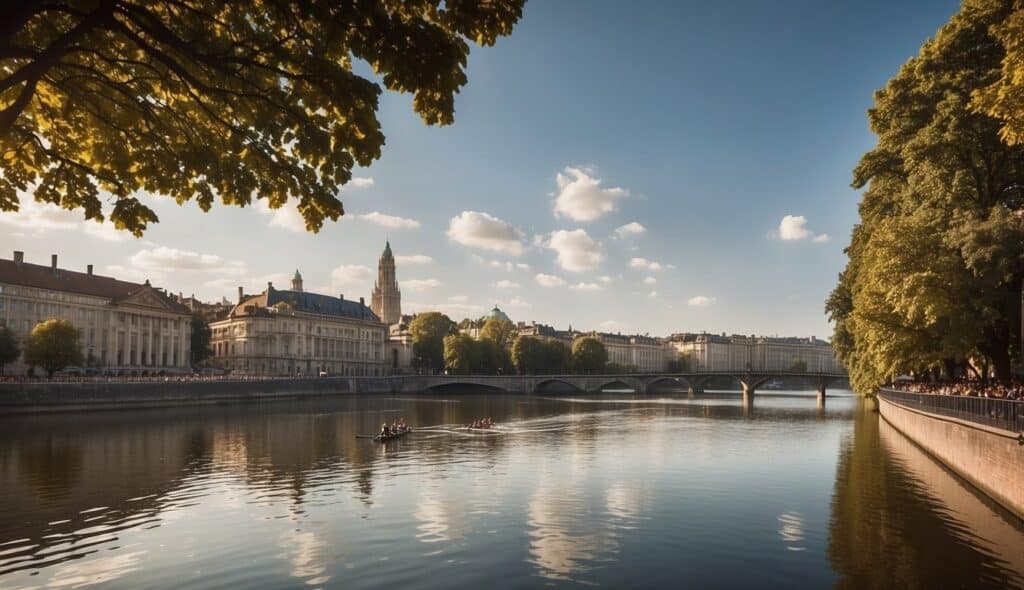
616	490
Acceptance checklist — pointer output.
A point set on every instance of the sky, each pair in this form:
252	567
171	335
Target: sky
642	167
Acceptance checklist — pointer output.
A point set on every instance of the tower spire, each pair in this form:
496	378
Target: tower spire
386	300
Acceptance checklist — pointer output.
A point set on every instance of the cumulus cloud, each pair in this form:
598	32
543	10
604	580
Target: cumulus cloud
35	218
575	250
516	302
414	259
459	299
418	285
350	274
390	221
506	284
700	301
652	294
794	228
645	264
650	281
586	287
453	309
604	279
361	182
523	266
162	258
580	196
545	280
609	324
285	217
630	229
481	230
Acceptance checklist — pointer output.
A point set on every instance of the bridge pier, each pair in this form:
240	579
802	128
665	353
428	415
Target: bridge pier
821	395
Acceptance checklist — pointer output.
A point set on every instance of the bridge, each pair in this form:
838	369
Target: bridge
643	383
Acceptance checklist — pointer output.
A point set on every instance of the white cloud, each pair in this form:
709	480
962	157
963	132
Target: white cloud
414	259
390	221
34	218
480	230
506	284
609	324
646	264
581	197
604	279
545	280
516	302
459	298
361	182
285	217
650	281
576	251
162	259
586	287
418	285
350	274
227	286
652	294
106	232
700	301
794	228
523	266
630	229
456	311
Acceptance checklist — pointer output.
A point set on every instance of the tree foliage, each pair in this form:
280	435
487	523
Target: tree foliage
9	349
935	264
428	331
498	331
589	355
535	356
461	354
230	101
201	337
1004	99
53	345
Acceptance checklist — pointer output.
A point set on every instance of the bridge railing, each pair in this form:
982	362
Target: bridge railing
998	413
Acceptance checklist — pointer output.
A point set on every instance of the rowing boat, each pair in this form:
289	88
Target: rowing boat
382	438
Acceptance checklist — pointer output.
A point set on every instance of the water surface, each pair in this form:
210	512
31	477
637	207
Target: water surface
613	490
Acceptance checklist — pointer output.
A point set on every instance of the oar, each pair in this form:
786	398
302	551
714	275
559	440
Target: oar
366	436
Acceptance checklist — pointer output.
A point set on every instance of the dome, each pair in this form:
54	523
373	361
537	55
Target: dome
497	314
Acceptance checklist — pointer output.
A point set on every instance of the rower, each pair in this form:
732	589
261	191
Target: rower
384	429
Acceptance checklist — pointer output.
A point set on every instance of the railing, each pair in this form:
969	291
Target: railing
998	413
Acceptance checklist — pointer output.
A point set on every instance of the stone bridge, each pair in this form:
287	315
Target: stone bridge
639	382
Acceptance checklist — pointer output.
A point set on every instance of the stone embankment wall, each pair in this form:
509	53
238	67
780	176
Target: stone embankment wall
990	458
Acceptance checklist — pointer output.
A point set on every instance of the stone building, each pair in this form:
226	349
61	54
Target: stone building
127	328
644	354
386	300
294	332
718	352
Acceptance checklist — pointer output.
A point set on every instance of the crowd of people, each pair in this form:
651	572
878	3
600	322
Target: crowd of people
1010	391
481	423
394	429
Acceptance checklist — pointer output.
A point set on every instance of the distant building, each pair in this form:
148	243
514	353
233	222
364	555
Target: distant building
474	328
386	299
294	332
127	328
714	352
644	354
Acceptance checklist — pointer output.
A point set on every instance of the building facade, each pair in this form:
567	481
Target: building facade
643	354
718	352
386	300
294	332
126	328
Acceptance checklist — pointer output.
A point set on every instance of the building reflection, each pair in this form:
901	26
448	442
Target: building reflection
901	520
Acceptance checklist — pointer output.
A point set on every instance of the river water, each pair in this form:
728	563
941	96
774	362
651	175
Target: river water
614	490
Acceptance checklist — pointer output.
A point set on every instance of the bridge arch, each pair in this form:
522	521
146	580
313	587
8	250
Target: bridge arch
466	386
682	382
556	386
617	385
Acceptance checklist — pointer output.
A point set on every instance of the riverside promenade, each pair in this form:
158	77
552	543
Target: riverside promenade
980	439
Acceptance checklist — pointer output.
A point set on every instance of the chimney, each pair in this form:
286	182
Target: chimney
270	285
341	296
88	270
53	262
239	294
19	257
362	301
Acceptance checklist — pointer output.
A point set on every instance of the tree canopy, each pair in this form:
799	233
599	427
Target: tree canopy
201	337
588	355
535	356
230	101
428	331
9	350
935	264
1004	98
53	345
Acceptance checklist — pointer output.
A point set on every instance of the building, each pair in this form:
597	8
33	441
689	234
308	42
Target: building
474	328
294	332
643	354
386	300
127	328
714	352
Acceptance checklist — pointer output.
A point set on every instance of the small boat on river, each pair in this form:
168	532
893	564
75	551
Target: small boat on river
386	437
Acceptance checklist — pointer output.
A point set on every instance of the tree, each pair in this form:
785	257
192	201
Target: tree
1004	99
53	345
798	366
230	101
935	266
9	350
526	355
683	363
496	338
498	331
428	331
201	336
555	358
589	355
461	354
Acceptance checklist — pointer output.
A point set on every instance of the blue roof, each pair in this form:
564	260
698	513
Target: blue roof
322	304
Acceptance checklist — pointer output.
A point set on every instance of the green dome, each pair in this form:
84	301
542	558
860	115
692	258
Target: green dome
497	314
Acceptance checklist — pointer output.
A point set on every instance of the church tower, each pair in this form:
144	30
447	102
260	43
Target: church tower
297	282
386	301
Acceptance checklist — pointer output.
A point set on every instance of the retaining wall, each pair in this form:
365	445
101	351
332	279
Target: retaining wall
990	458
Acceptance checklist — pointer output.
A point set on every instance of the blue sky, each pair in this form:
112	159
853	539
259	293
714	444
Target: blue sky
705	124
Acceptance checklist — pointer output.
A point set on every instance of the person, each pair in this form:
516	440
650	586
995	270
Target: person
384	429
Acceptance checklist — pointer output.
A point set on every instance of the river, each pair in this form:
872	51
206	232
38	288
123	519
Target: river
614	490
